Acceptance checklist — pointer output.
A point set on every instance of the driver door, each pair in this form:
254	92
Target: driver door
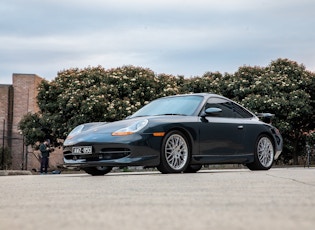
221	134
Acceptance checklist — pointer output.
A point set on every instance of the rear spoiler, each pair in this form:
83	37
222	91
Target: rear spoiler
265	117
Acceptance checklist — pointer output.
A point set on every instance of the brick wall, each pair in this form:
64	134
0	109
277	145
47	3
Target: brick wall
5	113
17	100
25	92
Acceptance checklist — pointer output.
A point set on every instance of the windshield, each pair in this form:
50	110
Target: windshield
182	105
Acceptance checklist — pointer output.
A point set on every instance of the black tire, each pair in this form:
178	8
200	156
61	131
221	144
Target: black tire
175	153
264	154
193	168
98	171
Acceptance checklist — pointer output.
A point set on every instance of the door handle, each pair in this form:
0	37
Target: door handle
240	127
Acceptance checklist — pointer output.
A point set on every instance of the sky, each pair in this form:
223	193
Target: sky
178	37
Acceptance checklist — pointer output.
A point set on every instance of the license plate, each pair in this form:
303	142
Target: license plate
82	150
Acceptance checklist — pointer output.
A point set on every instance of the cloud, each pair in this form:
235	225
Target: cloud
176	37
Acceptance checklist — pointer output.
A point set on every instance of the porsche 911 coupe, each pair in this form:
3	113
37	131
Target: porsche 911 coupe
176	134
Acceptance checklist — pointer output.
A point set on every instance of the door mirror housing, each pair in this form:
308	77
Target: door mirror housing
266	117
212	111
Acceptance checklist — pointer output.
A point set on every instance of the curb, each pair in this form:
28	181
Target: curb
14	172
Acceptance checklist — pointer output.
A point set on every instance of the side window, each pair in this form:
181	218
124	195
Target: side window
240	112
226	106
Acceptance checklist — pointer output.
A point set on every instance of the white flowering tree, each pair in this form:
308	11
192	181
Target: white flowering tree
285	89
77	96
209	82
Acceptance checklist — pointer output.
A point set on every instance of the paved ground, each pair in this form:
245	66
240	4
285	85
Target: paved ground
211	199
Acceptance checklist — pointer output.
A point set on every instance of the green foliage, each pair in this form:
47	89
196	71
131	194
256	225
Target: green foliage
283	88
33	128
209	82
95	94
310	138
77	96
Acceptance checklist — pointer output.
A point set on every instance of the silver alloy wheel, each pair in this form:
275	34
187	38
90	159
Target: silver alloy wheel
176	151
265	152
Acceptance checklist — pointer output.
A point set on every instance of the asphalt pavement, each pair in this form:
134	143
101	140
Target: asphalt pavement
281	198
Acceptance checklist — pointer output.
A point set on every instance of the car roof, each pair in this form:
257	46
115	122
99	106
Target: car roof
206	95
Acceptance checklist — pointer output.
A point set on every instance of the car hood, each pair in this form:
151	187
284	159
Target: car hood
109	127
100	128
89	130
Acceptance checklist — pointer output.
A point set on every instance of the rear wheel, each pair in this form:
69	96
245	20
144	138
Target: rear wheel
98	171
175	153
264	154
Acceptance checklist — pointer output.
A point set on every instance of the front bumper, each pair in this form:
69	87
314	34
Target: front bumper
132	150
126	161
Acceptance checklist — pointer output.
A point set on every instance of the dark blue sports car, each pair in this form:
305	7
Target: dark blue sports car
176	134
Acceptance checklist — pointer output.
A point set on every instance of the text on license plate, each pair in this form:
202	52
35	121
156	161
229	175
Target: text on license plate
81	150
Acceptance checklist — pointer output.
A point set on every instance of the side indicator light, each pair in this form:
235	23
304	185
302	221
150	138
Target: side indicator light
159	134
122	133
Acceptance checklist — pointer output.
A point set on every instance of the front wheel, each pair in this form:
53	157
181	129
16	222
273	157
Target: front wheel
98	171
175	153
264	154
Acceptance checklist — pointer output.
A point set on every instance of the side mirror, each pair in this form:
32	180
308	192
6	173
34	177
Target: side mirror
212	111
265	117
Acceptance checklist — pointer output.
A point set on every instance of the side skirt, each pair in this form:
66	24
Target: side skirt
222	159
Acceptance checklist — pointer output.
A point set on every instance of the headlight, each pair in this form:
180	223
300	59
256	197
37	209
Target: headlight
75	131
131	129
